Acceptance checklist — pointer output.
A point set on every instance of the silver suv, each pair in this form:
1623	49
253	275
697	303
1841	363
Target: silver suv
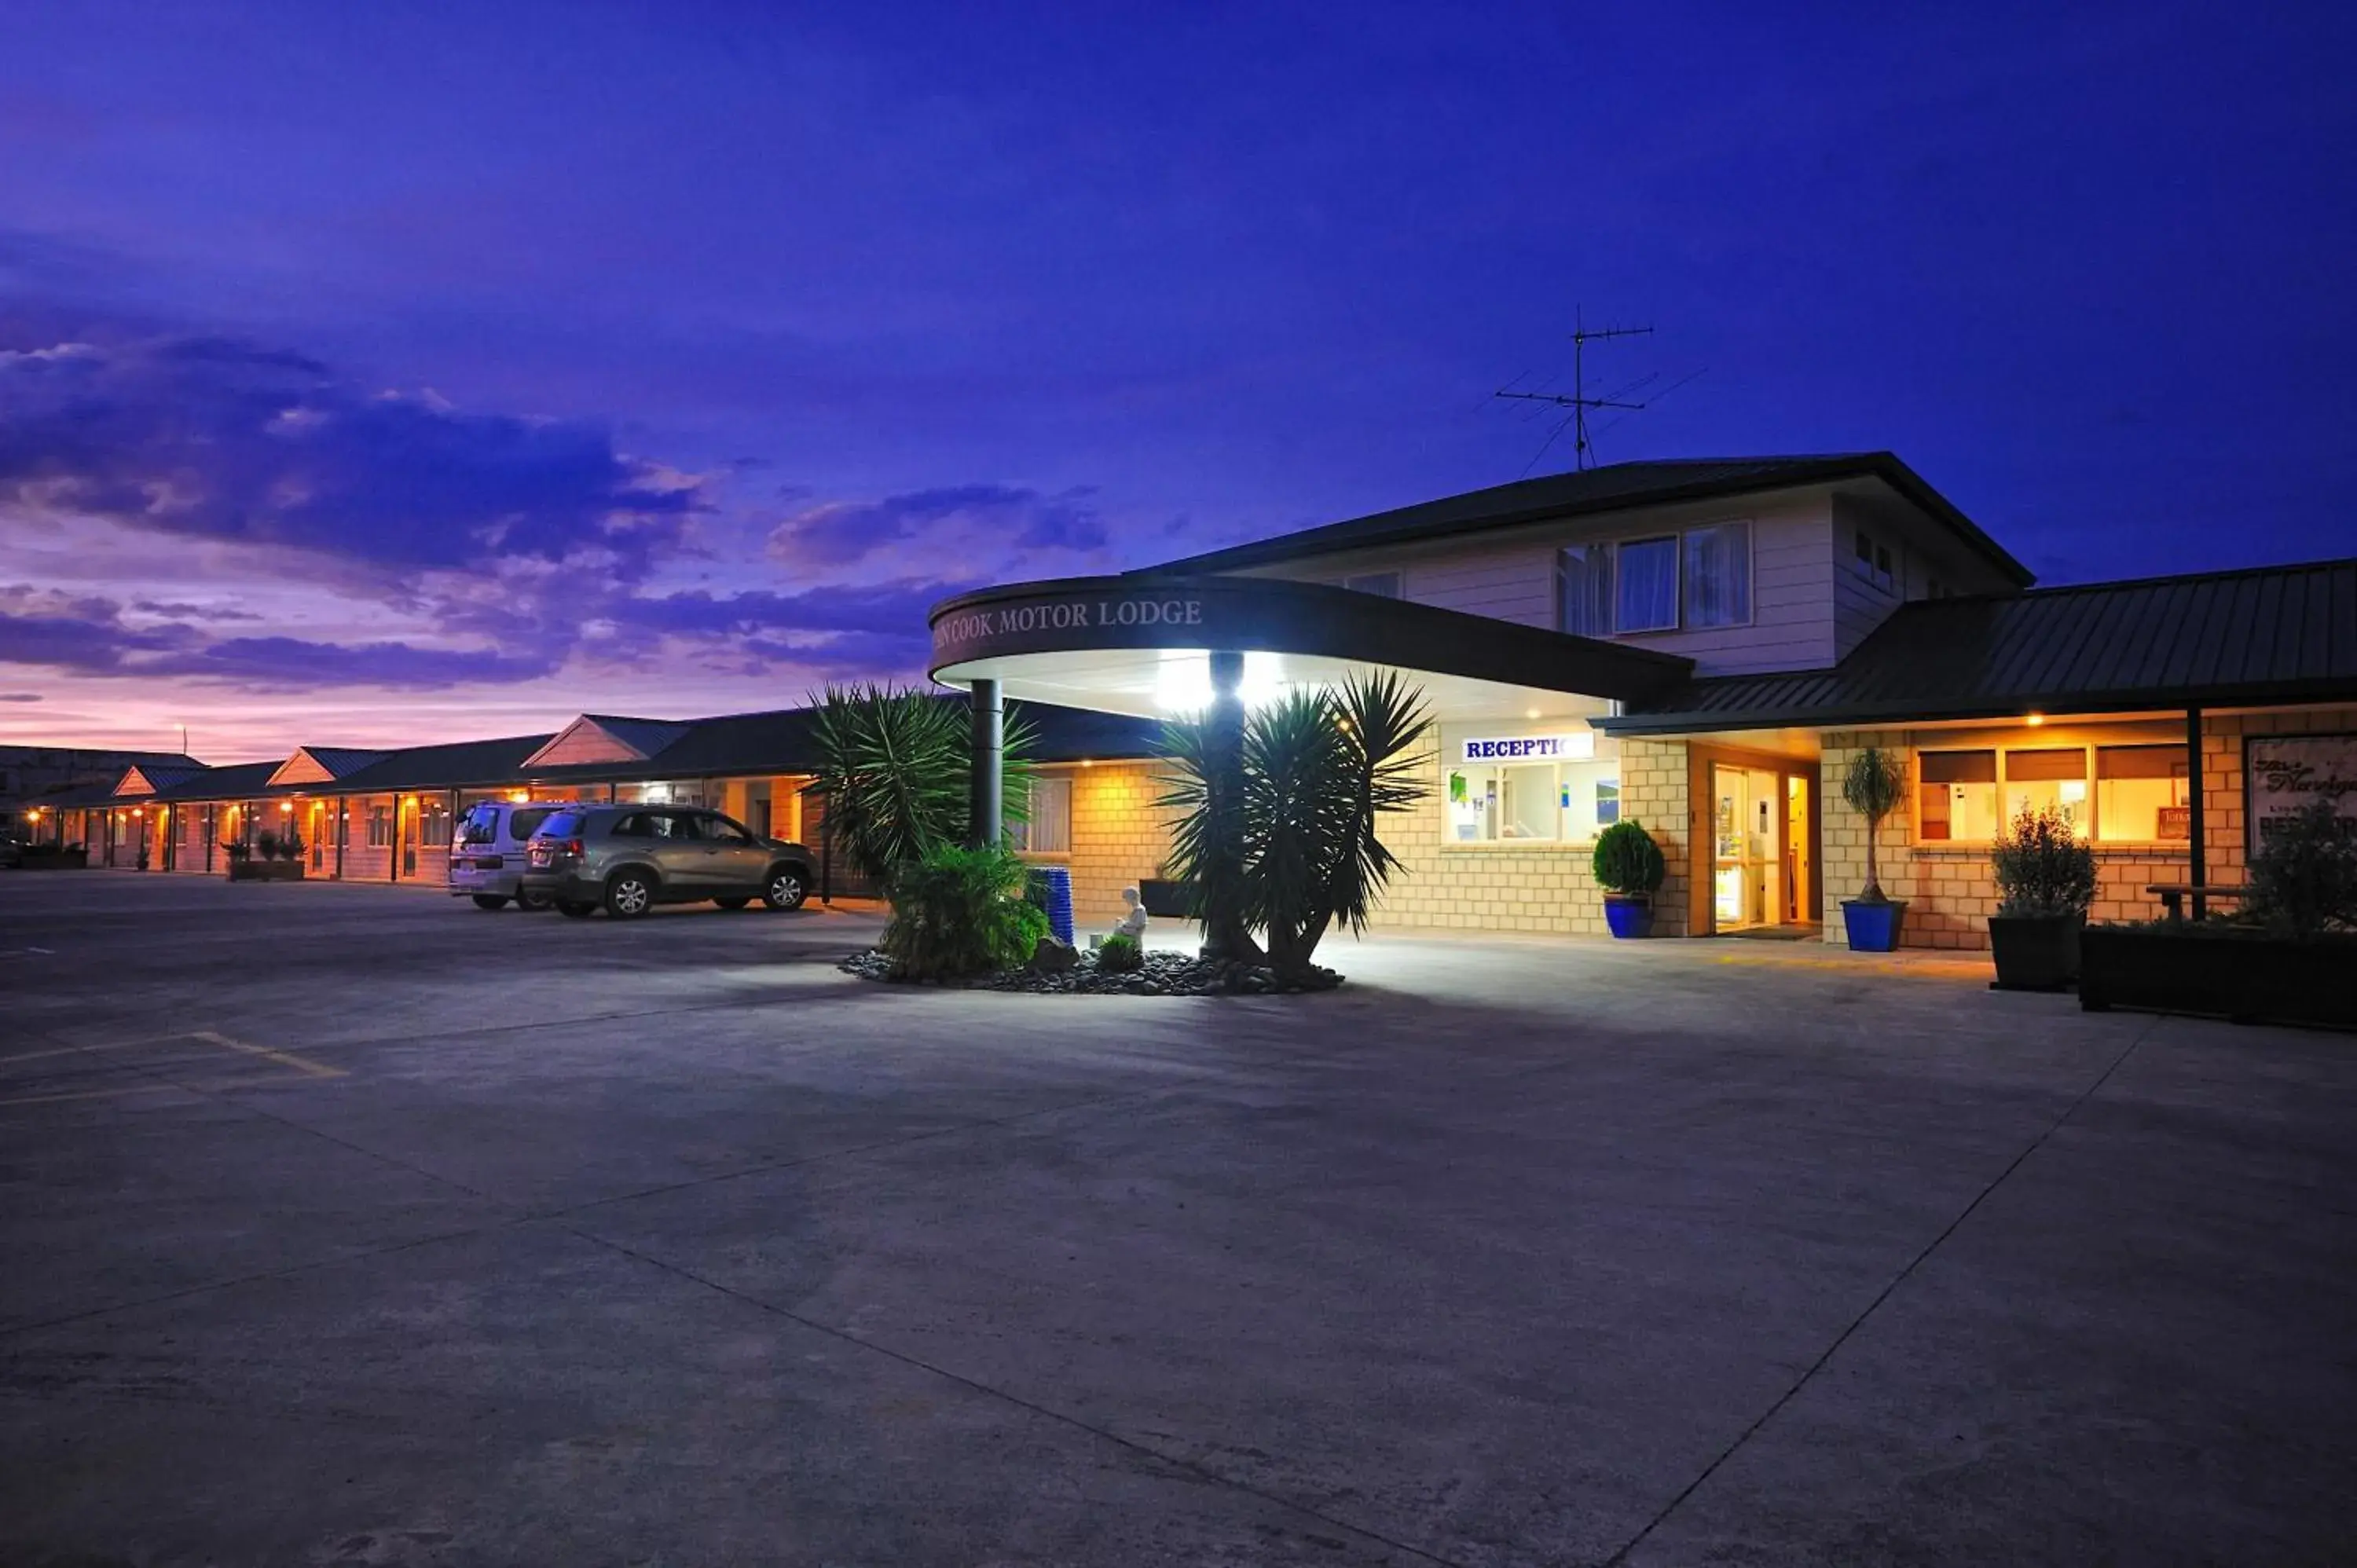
628	859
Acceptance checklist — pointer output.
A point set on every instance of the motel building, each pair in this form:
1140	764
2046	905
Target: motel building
1699	646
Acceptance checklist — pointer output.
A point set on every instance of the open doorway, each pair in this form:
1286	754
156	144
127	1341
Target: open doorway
1755	844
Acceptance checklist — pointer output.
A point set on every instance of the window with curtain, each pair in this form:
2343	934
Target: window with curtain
1647	597
1049	829
1583	590
1718	574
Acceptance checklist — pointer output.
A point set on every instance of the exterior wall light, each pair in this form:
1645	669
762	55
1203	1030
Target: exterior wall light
2035	720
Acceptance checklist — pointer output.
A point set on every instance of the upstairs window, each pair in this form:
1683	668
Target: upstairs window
1647	597
1583	590
1718	575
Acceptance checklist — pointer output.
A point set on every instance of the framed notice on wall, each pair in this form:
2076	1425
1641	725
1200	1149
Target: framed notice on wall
2282	773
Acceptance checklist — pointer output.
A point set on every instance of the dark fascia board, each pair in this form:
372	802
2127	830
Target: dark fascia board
1275	614
1307	544
1895	714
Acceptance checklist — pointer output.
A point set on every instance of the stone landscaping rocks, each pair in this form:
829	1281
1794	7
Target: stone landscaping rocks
1052	956
1160	975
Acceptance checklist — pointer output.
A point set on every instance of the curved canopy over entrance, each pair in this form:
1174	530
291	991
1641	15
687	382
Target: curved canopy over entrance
1144	646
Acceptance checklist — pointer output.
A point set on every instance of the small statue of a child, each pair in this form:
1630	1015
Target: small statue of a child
1133	923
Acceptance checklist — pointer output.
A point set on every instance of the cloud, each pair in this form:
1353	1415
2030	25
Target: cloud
87	636
192	612
21	697
998	516
215	438
286	663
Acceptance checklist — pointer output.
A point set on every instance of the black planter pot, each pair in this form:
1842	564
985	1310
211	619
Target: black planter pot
2249	977
1166	900
2035	952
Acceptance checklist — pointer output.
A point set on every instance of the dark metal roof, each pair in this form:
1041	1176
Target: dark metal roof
341	760
2270	634
729	744
1614	488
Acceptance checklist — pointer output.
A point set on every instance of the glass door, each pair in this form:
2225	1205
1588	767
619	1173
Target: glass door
1747	809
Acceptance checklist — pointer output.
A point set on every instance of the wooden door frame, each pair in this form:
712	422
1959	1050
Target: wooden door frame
1702	826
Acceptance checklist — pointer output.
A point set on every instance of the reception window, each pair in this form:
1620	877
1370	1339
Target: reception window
1957	801
2143	794
1566	801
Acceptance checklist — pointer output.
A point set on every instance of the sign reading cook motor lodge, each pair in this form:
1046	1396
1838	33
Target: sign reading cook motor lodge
2282	773
1127	612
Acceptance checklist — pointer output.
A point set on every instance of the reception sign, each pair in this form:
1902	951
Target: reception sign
1532	748
2282	773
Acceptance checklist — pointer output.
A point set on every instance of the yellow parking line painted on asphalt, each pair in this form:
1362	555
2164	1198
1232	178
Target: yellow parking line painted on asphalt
91	1094
285	1059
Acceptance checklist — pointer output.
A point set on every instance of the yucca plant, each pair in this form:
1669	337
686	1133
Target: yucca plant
894	771
1875	784
1315	772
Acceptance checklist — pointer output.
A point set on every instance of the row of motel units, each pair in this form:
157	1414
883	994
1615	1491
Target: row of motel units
1699	646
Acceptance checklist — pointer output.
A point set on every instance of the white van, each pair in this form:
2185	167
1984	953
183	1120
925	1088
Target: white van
487	855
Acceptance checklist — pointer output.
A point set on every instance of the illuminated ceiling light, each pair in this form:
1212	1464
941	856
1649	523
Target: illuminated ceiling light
519	796
1530	712
2035	719
1182	685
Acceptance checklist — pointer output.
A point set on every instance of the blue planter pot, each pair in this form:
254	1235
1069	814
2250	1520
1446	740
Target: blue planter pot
1629	918
1872	927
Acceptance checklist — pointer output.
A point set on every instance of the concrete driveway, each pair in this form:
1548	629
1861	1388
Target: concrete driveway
352	1225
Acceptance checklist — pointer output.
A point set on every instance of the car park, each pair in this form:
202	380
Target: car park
487	853
625	859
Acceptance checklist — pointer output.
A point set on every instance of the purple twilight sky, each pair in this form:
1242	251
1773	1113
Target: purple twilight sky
373	374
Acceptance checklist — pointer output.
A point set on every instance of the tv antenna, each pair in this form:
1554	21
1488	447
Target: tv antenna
1577	402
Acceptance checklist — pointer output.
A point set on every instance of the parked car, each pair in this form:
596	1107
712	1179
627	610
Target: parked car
628	859
486	855
12	853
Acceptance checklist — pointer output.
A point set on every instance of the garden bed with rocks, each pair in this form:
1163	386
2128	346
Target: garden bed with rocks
1157	975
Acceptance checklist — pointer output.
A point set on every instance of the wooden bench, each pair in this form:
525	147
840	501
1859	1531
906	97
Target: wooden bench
2172	895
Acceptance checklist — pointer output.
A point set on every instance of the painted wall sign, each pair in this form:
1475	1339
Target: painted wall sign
2282	773
1067	615
1577	745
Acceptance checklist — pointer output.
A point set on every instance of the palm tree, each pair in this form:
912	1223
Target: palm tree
1317	771
895	770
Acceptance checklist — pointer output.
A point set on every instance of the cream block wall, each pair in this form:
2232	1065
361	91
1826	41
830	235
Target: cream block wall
1951	893
1119	836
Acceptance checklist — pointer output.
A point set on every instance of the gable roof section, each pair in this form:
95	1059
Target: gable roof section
2270	634
152	778
605	737
1616	487
322	764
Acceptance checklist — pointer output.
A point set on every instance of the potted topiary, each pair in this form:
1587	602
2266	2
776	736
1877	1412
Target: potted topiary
2045	880
1629	867
1874	786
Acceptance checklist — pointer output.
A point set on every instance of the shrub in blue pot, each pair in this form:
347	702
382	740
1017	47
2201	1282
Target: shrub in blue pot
1629	868
1874	786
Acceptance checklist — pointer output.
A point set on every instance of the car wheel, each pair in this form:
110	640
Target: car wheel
574	910
533	900
489	901
732	902
630	895
785	888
